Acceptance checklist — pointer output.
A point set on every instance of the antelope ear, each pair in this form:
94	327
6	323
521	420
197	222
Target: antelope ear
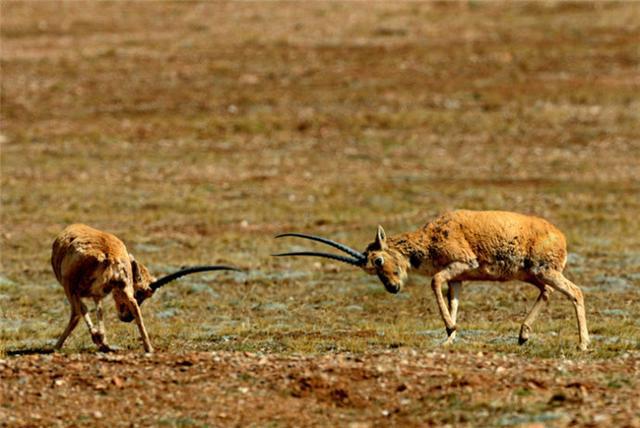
135	269
381	238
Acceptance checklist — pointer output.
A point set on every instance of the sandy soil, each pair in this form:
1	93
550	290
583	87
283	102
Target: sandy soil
399	387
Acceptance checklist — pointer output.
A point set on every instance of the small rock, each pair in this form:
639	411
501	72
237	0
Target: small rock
117	381
359	425
600	419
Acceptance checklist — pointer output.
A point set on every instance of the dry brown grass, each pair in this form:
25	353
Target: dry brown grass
196	131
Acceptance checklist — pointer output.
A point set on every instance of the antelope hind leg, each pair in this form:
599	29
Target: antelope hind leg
558	281
73	323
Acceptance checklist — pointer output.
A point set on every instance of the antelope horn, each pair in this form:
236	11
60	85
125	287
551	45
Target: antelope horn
356	262
357	255
187	271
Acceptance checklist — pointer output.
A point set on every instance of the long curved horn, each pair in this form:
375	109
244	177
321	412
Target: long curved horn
187	271
356	262
353	253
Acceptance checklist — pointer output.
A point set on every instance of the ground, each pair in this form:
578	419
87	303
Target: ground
198	131
401	387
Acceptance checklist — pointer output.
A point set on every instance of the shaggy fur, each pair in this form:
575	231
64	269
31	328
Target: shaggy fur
90	263
478	245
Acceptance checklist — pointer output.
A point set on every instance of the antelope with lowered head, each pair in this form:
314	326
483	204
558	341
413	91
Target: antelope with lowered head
89	263
468	245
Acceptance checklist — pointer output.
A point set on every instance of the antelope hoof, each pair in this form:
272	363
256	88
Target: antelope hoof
105	348
524	334
583	346
449	340
97	337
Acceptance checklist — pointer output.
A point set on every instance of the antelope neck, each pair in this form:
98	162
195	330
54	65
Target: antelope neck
408	246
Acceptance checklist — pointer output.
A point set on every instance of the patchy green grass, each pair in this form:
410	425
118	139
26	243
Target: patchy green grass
196	132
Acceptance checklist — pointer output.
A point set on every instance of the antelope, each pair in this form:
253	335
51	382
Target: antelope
466	245
89	263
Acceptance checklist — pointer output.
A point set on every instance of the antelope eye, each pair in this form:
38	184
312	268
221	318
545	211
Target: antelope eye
378	261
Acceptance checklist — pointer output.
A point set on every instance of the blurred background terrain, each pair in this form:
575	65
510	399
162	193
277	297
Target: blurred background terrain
197	131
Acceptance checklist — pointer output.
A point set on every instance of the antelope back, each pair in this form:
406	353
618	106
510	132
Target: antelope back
83	258
495	236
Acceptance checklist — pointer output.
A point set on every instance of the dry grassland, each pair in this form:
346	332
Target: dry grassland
197	131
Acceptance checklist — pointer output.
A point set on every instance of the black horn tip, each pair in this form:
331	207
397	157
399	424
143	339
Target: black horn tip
282	235
350	251
285	254
188	271
212	267
233	268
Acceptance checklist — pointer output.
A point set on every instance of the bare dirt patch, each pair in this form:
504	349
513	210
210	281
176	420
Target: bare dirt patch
401	387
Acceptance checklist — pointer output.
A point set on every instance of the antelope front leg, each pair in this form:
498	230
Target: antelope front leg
126	296
441	278
453	295
542	300
137	314
98	336
133	305
81	308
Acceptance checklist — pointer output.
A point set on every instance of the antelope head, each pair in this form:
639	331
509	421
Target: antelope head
379	258
145	284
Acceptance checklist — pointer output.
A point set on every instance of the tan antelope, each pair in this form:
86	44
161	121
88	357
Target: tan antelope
469	246
90	263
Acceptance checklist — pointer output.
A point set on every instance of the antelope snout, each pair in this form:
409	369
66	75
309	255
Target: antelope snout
125	316
391	288
391	285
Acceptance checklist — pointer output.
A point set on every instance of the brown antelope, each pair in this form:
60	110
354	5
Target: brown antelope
469	246
90	263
